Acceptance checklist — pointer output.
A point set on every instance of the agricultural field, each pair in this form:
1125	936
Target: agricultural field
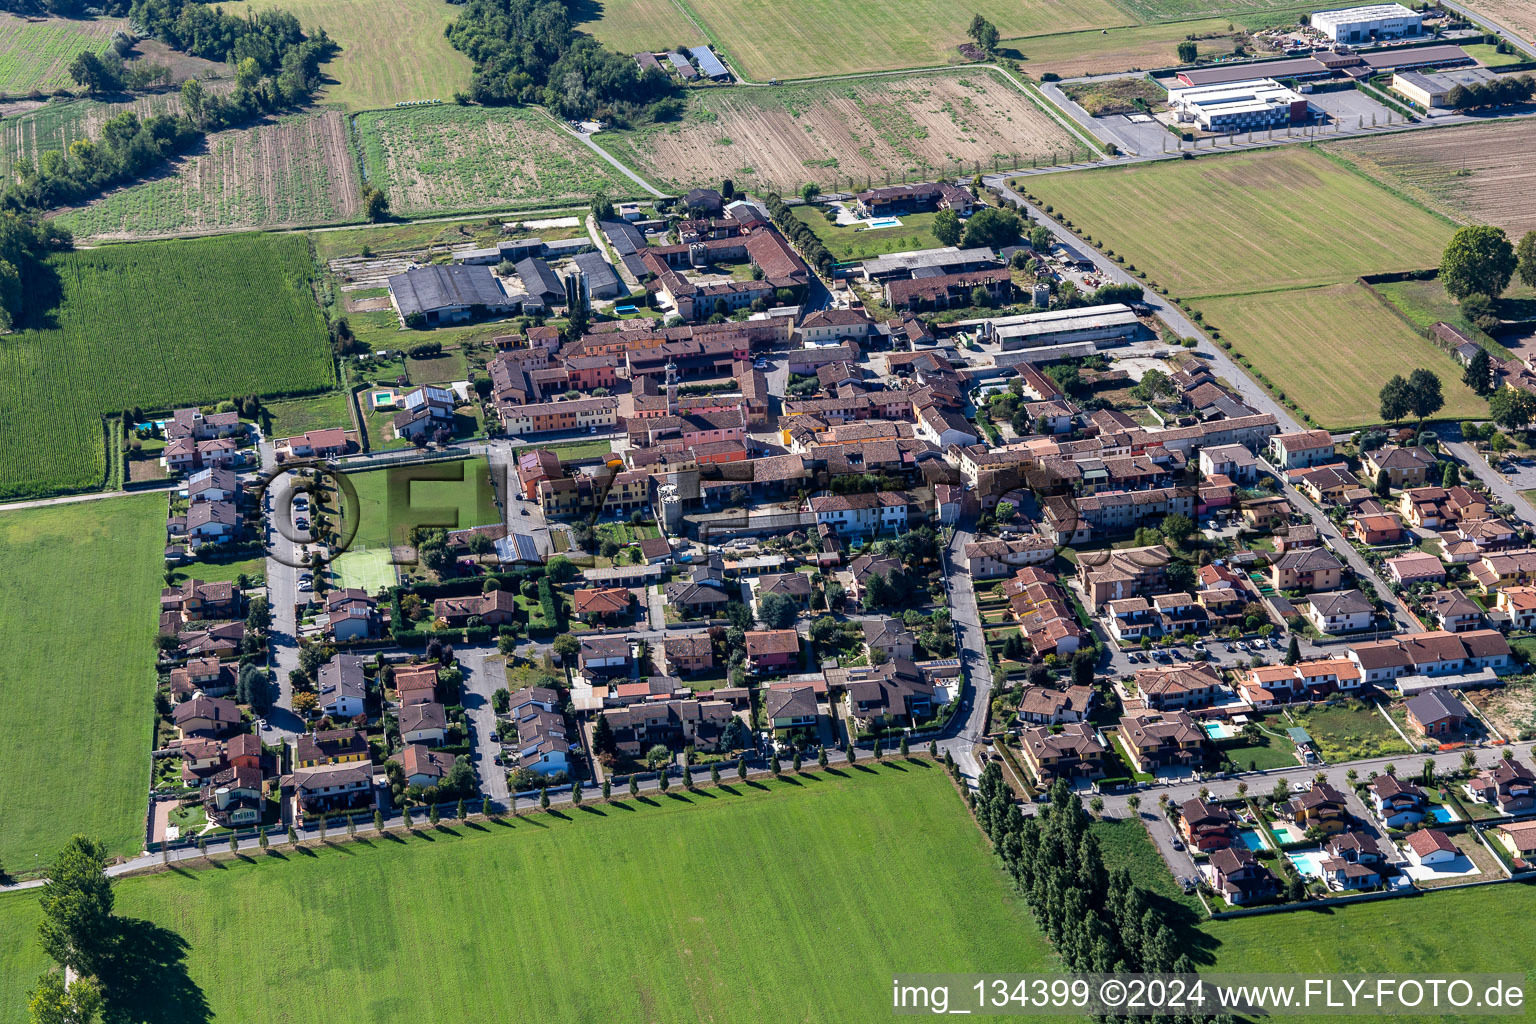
1284	218
59	122
1519	16
866	130
1477	174
447	158
770	39
390	52
441	236
296	170
390	502
751	937
1246	11
1330	349
35	52
632	26
1130	48
78	612
152	324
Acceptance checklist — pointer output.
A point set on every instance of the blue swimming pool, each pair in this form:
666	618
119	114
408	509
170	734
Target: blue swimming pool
1251	838
884	222
1441	814
1308	862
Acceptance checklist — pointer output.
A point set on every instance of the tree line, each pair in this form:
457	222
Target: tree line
276	67
799	232
24	244
525	51
1496	92
1098	920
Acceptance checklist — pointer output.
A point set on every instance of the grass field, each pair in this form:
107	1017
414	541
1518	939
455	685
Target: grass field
867	130
847	243
1426	302
442	159
1226	225
454	495
1479	174
1128	48
389	52
294	171
1346	733
222	570
297	415
1332	348
769	39
35	52
631	26
77	609
153	324
1116	95
684	907
1249	12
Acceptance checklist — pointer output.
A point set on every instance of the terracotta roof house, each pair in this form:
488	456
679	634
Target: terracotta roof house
332	787
1454	612
772	650
1163	739
1237	875
1519	838
1309	569
1416	567
1045	705
416	684
1509	785
1395	802
1180	686
688	654
423	766
1339	611
1206	826
205	716
1436	712
1322	806
1430	847
601	603
1072	752
896	693
496	608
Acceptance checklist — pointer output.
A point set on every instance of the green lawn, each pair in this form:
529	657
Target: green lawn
630	26
314	413
1331	349
1345	733
454	495
684	907
151	324
219	571
1248	222
441	369
77	613
860	242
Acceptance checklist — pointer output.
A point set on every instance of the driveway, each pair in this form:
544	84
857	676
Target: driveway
483	676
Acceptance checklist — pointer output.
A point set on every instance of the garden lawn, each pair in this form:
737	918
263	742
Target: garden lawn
1331	349
313	413
807	38
77	611
223	570
1247	222
860	242
390	502
1342	732
752	936
157	325
389	52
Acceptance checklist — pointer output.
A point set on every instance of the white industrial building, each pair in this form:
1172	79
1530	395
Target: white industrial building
1096	326
1239	106
1367	24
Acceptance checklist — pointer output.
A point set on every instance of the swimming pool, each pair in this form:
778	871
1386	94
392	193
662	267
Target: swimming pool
1308	862
1251	838
1219	730
884	222
625	310
1287	833
1441	813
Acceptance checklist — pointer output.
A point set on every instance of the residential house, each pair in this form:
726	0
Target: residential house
860	514
1296	538
696	597
1131	619
1311	569
1509	785
894	694
1196	685
1155	740
543	745
1239	878
1416	567
1322	806
424	767
206	676
1504	569
423	723
234	797
1436	712
1326	485
1454	612
1301	448
602	604
791	708
1433	654
213	522
1233	461
888	636
213	484
794	585
686	655
342	686
992	557
423	412
864	567
1430	848
1395	802
329	443
351	615
1339	611
494	608
205	717
1354	862
1405	467
1045	705
1122	572
329	746
604	656
1519	838
1206	826
416	684
772	650
194	599
332	787
1072	752
675	724
1377	528
1519	603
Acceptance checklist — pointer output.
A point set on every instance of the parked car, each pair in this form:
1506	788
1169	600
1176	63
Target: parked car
1178	844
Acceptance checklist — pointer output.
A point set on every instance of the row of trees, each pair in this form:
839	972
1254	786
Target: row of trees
799	232
1419	394
1496	92
525	51
276	67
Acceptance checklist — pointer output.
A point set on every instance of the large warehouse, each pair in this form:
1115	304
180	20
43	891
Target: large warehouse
1239	106
1430	90
1102	326
1367	24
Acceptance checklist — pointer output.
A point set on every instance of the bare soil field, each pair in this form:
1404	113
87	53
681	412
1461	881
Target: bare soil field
295	171
1511	709
864	130
1482	174
1519	16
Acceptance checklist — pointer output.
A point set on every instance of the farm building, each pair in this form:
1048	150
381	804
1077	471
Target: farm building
1430	89
948	260
543	284
1240	106
1368	24
602	282
511	249
449	294
647	61
1103	326
709	64
1301	68
896	199
681	65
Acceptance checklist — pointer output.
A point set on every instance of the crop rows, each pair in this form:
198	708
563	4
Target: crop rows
36	54
59	122
154	325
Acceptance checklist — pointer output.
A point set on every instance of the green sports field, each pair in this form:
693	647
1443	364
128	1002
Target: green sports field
153	324
77	679
778	901
1247	222
1332	348
454	495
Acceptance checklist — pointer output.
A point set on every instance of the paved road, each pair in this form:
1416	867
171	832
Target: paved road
967	728
1481	17
282	596
1497	482
483	676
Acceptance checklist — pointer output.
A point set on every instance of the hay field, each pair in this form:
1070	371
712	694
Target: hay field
1519	16
1072	54
1331	349
1480	174
866	129
631	26
1224	225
